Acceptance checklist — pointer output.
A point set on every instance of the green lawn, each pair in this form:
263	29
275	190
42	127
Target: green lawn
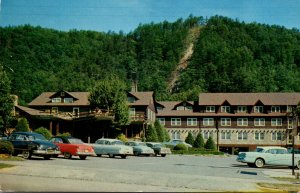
3	165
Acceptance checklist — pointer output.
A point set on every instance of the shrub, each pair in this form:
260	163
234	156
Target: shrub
180	146
151	135
6	147
65	134
210	144
189	139
122	137
166	134
159	131
22	125
199	141
45	132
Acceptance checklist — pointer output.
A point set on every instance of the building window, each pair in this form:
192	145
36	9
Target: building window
180	108
76	111
276	122
68	100
277	136
159	108
225	121
54	110
131	99
242	109
258	109
259	122
184	108
242	122
192	121
290	123
289	109
208	121
226	135
275	109
259	136
175	121
162	121
56	100
207	134
131	112
176	135
210	109
225	109
242	135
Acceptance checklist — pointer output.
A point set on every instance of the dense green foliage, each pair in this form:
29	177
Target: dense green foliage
122	137
189	139
6	147
65	134
151	135
181	146
197	151
22	125
199	141
229	56
161	134
210	144
6	101
45	132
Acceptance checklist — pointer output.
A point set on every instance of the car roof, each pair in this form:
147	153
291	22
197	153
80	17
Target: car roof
108	139
26	133
154	143
271	147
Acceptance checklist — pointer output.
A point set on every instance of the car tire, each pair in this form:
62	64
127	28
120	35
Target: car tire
67	155
136	153
99	155
15	153
163	155
82	157
123	156
251	165
26	154
259	163
55	156
47	157
111	155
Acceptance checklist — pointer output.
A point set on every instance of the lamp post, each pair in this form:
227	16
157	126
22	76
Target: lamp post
294	132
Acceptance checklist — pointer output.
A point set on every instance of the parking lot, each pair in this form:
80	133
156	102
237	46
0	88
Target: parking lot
134	174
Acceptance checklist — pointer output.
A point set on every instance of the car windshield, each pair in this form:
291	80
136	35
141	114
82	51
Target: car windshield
75	140
142	144
117	143
36	137
259	150
157	145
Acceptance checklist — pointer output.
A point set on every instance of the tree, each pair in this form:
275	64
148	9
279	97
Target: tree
210	144
167	136
45	132
22	125
110	94
189	139
151	135
6	101
159	131
199	141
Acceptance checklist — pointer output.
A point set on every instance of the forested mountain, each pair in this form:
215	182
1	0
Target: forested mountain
229	56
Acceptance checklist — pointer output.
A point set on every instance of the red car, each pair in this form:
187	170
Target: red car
71	146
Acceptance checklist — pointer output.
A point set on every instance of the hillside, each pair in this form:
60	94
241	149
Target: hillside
226	56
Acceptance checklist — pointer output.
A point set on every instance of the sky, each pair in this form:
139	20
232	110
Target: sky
126	15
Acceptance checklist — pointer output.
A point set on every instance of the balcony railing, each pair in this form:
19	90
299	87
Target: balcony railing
105	114
137	117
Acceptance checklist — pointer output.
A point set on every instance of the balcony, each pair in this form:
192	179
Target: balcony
101	115
137	117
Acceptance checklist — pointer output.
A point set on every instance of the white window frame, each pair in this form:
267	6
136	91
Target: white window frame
175	121
242	122
207	134
241	109
276	122
192	121
68	100
275	109
259	136
258	109
225	109
56	100
242	135
180	108
162	121
289	109
259	121
210	109
226	135
208	122
290	123
225	121
131	99
176	135
277	136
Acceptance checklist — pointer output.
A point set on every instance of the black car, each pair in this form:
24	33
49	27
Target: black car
31	143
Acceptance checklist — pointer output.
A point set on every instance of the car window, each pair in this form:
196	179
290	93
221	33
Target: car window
100	142
20	137
273	151
107	142
259	150
117	143
75	141
281	151
57	140
142	144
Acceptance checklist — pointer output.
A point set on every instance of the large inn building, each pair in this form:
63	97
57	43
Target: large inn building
236	121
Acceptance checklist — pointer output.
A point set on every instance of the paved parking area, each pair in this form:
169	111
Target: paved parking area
135	174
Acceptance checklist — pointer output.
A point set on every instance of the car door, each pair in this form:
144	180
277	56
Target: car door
99	147
283	157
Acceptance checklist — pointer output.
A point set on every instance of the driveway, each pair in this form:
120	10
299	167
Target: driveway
134	174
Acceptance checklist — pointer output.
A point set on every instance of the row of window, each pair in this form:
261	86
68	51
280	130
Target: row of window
224	121
58	100
243	109
242	135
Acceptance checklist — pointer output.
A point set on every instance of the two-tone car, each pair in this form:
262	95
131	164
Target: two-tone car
71	146
112	148
140	148
268	155
159	149
31	143
174	142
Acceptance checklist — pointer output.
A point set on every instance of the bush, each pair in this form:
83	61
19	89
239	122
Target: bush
65	134
22	125
189	139
45	132
151	135
6	147
180	146
210	144
199	141
122	137
159	131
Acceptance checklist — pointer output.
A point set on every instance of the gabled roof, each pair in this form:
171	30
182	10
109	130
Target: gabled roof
169	109
249	99
143	98
30	111
59	93
45	99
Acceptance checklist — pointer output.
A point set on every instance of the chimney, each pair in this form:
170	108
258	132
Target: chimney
134	86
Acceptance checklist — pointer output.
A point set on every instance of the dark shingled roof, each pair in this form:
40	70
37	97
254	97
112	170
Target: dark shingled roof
143	98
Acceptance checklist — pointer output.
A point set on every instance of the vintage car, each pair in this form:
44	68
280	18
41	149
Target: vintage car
174	142
159	149
268	155
112	148
71	146
31	143
140	148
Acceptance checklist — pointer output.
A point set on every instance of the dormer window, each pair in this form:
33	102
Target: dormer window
275	109
184	108
131	99
210	109
159	108
62	94
241	109
258	109
56	100
225	109
68	100
180	108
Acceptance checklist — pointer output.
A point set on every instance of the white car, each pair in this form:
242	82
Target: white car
112	148
268	155
140	148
